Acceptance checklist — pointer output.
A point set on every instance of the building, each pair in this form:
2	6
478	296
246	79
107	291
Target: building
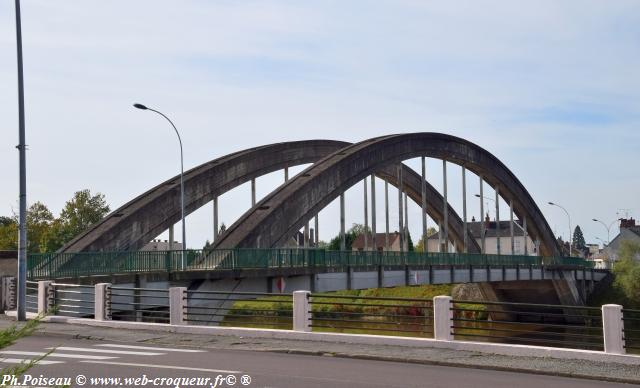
160	245
394	242
492	233
629	231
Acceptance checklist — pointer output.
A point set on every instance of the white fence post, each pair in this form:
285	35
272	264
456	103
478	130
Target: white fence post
442	318
301	311
177	304
100	302
612	328
43	294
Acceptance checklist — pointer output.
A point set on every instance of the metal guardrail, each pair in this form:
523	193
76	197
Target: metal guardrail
64	265
31	301
370	314
528	324
239	309
138	304
631	331
72	299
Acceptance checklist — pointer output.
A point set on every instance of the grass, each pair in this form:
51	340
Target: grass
402	315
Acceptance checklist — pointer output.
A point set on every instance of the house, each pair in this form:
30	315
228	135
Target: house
492	232
629	231
394	242
160	245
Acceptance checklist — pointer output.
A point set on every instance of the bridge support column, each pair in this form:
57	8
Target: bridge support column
380	276
177	304
301	311
465	242
102	301
349	278
442	318
483	232
400	208
171	237
612	328
445	213
253	192
306	235
316	238
366	215
343	243
43	293
525	236
498	220
407	275
406	222
386	215
513	241
374	243
423	189
215	219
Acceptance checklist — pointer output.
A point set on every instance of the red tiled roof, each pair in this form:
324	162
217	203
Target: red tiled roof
358	243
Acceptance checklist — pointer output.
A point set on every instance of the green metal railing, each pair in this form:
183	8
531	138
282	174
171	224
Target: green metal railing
64	265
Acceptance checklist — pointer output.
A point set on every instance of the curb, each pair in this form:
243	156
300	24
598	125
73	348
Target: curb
385	358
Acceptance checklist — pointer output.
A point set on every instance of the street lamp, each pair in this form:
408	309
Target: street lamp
607	227
184	232
570	233
22	148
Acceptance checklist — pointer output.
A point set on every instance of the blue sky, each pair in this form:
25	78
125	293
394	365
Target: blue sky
551	88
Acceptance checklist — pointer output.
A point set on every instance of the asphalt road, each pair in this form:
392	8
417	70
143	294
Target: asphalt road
100	359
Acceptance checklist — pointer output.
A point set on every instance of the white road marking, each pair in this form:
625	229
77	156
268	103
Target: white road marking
67	348
151	348
55	354
164	367
26	361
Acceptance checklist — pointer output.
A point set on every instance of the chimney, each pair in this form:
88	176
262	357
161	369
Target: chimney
487	222
627	223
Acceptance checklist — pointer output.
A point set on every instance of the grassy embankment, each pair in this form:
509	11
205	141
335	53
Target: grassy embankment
405	315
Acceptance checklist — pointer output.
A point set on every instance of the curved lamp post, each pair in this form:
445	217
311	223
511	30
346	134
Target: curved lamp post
607	227
184	232
570	230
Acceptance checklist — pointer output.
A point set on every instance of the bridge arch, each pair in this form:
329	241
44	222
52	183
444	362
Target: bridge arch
287	208
137	222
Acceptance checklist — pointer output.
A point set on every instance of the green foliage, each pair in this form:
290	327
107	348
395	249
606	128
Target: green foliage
9	237
6	221
45	233
350	237
578	239
627	272
420	245
82	211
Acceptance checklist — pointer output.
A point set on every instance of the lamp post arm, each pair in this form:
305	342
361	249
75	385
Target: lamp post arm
182	205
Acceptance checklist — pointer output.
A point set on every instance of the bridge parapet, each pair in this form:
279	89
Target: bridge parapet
83	264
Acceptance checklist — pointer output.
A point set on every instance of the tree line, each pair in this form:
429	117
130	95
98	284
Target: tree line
47	233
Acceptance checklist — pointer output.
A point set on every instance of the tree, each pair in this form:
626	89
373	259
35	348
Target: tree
6	221
627	271
82	211
578	239
9	237
420	245
39	220
350	237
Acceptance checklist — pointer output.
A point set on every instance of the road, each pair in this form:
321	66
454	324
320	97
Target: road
95	359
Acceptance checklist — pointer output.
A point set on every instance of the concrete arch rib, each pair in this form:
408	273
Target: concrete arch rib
137	222
134	224
285	210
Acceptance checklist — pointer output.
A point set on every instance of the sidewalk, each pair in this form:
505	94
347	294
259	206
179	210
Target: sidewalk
543	365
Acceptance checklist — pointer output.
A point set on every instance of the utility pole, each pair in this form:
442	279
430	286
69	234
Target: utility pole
22	238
